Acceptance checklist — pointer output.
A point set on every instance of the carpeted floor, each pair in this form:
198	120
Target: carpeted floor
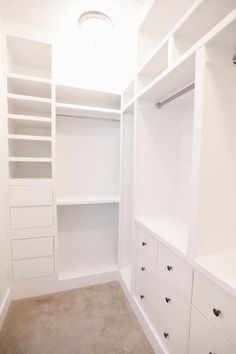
93	320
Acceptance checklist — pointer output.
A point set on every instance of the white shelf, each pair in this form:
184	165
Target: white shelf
29	137
29	159
180	75
29	181
29	86
29	119
86	111
91	272
12	75
125	274
84	97
89	200
14	96
221	265
173	232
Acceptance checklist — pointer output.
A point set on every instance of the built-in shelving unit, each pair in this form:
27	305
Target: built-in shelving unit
88	143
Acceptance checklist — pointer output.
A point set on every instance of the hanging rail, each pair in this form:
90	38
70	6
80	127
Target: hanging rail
174	96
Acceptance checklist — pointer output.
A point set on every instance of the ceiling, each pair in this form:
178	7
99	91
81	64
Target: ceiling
61	14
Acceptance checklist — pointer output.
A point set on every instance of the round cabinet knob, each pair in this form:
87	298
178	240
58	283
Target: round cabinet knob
143	269
216	312
212	353
166	335
141	296
169	268
167	300
144	243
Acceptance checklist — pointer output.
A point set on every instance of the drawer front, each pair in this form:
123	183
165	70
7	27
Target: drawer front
173	341
30	195
31	248
33	268
146	246
175	308
204	340
31	217
216	305
144	295
175	271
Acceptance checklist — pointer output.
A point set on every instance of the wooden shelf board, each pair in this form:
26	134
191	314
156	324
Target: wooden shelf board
89	200
15	96
87	111
29	159
12	75
25	118
29	137
172	232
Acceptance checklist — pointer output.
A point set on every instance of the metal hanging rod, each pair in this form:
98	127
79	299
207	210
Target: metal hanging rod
175	95
77	116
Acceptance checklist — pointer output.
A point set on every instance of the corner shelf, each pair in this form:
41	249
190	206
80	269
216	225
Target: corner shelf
74	110
87	201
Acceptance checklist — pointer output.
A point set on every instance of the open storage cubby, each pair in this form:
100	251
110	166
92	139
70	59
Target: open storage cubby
21	105
126	212
20	85
157	24
215	242
29	148
27	169
87	239
163	167
154	67
204	15
28	57
87	159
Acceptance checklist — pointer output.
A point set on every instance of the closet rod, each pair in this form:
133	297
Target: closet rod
175	95
76	116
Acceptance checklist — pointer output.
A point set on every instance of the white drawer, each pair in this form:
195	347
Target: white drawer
146	246
31	248
173	341
204	340
144	295
175	308
208	298
31	217
175	271
30	195
33	268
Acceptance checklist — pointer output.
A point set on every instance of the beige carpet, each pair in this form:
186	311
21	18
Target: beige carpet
93	320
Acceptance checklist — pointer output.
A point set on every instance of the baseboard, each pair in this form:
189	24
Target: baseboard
148	329
45	286
5	306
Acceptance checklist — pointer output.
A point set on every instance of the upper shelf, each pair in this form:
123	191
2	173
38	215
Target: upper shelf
72	110
28	57
22	105
84	97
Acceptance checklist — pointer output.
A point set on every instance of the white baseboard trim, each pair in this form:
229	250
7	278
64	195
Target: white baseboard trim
149	331
5	306
45	286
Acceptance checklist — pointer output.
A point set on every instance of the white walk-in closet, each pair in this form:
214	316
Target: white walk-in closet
118	172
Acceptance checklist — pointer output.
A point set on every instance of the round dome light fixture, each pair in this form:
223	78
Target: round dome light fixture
95	27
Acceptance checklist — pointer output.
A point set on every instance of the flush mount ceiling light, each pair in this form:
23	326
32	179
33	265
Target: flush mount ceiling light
95	27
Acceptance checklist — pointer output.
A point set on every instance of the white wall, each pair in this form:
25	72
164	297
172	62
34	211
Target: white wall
4	278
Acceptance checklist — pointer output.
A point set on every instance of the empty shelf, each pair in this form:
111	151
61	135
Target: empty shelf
29	137
84	201
67	110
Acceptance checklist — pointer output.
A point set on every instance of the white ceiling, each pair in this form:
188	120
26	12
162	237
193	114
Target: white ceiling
61	14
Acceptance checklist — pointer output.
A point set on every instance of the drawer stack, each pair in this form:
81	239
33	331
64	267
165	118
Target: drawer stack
212	319
163	289
31	229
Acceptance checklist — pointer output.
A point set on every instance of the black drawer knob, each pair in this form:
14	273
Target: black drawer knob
143	269
144	243
167	300
166	335
216	312
141	296
211	353
169	268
